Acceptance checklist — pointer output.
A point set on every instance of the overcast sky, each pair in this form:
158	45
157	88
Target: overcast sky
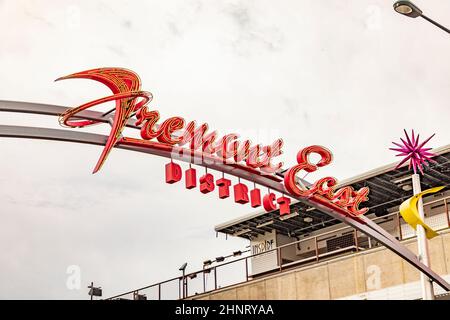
349	75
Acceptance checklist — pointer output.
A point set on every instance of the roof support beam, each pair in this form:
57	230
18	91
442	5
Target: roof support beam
379	183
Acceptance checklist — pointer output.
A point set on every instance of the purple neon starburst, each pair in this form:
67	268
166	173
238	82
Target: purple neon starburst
414	151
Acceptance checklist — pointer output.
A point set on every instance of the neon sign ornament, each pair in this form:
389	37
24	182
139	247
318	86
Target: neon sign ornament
410	213
258	159
411	150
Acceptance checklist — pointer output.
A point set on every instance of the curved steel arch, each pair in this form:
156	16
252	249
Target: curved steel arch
54	110
362	224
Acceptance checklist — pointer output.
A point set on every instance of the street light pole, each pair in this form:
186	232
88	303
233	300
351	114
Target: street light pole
183	279
184	283
409	9
422	243
435	23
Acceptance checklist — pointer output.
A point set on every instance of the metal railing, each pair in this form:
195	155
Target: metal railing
319	247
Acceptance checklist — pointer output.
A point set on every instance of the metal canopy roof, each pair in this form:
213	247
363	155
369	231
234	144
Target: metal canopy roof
388	188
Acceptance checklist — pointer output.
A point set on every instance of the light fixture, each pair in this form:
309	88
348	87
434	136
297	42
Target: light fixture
138	296
183	267
403	182
288	216
94	291
407	187
379	212
207	263
308	219
265	224
192	276
409	9
237	253
402	179
220	259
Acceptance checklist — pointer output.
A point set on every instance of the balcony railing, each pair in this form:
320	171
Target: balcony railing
321	247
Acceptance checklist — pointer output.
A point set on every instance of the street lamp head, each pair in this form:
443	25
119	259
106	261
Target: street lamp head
407	8
183	267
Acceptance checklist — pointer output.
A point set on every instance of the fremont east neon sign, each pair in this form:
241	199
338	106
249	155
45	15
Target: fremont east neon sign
192	138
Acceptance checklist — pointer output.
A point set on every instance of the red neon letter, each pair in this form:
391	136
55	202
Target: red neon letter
173	172
206	183
241	193
191	178
303	164
148	120
255	197
361	196
224	187
168	128
272	151
284	205
268	202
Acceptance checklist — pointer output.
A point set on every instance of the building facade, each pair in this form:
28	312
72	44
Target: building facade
308	255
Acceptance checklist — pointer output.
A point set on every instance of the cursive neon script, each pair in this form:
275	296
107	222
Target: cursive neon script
130	100
346	198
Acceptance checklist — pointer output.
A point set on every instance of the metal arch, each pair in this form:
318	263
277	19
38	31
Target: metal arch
174	153
362	224
53	110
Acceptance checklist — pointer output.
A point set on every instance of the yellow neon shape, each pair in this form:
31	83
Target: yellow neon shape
410	213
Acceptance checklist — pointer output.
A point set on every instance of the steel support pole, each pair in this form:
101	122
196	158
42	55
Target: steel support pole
215	278
316	248
422	243
400	233
279	258
184	284
246	269
446	212
204	280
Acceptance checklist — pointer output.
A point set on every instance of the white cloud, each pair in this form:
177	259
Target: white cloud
349	75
